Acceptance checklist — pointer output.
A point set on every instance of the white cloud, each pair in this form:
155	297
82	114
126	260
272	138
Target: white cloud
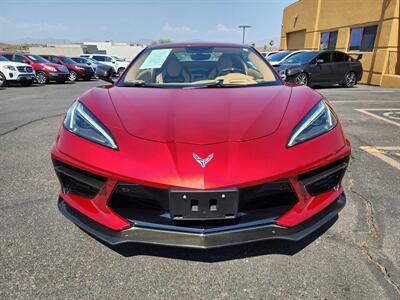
178	29
221	28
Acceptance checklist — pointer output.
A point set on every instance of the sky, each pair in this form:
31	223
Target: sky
140	21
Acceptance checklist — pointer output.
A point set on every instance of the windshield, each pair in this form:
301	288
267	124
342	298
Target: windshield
67	60
96	62
199	66
301	58
278	56
38	59
2	58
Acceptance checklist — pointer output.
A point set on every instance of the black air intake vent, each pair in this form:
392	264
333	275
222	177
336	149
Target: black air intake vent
326	178
78	182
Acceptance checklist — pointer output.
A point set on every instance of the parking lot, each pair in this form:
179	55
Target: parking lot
43	255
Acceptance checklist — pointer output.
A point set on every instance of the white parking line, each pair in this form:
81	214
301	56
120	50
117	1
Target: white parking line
380	153
364	101
367	112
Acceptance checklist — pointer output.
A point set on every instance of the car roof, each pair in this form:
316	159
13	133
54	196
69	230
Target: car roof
211	44
52	55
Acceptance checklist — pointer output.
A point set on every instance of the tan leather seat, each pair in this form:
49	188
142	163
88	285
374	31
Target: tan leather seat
225	61
173	72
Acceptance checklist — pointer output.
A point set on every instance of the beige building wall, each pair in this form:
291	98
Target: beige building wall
381	66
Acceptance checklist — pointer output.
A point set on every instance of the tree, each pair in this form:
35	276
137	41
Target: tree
161	41
271	43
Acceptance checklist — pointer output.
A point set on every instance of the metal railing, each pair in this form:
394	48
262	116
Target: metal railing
393	65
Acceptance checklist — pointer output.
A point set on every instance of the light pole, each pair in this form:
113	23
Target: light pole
244	27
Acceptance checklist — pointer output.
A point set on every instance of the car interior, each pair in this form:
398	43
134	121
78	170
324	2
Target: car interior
200	66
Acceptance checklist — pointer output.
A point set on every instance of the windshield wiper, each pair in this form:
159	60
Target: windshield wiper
139	84
216	83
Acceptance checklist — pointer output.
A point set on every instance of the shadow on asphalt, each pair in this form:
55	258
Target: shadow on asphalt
282	247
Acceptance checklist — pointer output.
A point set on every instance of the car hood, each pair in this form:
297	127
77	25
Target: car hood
200	116
12	63
81	65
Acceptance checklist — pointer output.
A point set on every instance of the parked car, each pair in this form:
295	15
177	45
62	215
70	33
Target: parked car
200	145
76	70
278	58
89	61
268	53
322	68
45	70
15	72
118	65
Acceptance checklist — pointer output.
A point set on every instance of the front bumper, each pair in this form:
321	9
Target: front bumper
58	76
85	73
18	77
223	237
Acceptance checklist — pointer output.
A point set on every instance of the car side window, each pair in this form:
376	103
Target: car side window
338	57
326	57
107	58
19	58
99	58
8	56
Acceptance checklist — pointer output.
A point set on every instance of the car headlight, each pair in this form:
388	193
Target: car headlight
318	121
12	68
291	72
80	121
79	68
50	68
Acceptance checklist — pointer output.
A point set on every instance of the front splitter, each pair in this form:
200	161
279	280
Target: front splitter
202	241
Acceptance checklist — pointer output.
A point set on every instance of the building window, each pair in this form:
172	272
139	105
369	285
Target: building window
328	40
363	38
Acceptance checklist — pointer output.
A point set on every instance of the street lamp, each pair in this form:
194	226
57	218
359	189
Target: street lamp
244	27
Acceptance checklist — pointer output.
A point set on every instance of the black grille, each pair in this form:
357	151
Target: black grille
326	178
78	182
147	204
25	69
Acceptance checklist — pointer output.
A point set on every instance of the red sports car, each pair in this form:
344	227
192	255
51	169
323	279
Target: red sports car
200	145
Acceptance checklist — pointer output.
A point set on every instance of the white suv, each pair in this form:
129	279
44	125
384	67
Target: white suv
15	72
118	64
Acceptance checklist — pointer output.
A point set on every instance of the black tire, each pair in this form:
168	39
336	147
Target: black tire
350	79
73	76
120	70
41	77
3	81
26	83
301	78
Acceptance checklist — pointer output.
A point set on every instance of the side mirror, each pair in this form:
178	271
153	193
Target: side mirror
359	56
25	61
283	74
105	73
113	61
319	61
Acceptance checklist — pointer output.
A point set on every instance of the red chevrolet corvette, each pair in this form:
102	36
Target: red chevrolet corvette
200	145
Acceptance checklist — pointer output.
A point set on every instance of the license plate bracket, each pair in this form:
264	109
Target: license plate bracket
203	205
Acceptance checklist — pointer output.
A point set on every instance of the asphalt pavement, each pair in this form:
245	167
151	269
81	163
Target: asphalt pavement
45	256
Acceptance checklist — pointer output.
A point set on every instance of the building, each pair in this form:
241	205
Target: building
367	27
123	50
65	49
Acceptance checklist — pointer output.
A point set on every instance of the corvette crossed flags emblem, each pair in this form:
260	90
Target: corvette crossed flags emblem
203	162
